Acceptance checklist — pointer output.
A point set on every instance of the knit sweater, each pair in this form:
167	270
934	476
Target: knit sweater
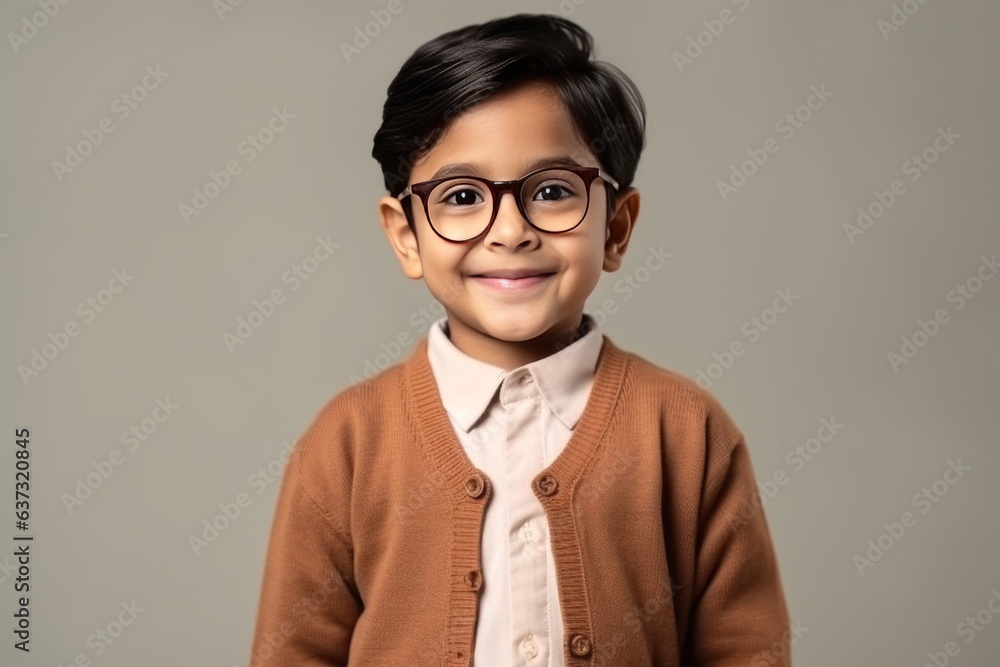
663	553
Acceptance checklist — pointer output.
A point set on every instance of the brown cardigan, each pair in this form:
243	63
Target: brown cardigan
662	550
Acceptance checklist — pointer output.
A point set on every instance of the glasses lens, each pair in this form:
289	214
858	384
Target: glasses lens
554	199
460	208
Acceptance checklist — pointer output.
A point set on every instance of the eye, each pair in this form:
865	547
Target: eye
463	197
553	192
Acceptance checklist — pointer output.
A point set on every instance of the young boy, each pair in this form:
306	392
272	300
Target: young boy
519	490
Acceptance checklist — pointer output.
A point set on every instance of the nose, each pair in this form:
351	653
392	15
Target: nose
510	228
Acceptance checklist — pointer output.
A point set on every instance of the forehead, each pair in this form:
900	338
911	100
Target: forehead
506	135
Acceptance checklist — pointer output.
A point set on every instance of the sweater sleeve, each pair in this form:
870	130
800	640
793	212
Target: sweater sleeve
739	617
309	603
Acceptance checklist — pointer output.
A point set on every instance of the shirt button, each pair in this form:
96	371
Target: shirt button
474	486
529	649
527	532
546	485
579	645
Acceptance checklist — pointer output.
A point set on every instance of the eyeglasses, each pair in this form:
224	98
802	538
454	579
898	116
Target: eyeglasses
460	208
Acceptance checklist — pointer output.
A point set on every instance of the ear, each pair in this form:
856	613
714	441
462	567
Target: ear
619	228
401	237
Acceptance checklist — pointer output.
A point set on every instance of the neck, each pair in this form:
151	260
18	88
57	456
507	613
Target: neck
509	355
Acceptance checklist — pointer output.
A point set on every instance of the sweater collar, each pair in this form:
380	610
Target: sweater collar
467	385
422	407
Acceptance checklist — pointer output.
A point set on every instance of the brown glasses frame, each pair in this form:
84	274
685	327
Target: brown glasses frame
497	190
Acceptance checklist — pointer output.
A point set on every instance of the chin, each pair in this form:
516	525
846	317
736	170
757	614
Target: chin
511	331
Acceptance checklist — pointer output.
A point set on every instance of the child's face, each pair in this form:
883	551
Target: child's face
507	326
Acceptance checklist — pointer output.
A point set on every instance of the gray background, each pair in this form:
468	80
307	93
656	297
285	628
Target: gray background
162	336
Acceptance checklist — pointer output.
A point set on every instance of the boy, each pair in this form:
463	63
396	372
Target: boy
519	490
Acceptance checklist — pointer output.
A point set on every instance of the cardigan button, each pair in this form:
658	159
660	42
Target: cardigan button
546	485
474	486
580	646
473	580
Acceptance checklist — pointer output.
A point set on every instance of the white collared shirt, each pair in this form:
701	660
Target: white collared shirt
511	435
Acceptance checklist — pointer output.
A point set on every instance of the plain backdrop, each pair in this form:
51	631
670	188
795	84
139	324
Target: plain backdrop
894	77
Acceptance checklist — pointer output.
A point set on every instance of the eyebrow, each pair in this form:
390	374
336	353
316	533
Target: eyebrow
472	169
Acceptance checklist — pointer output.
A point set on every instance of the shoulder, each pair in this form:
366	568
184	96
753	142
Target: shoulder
367	394
352	414
678	397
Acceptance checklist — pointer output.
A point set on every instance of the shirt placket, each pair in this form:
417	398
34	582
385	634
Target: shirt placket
523	459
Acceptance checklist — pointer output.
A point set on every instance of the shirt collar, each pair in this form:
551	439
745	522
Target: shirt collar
468	385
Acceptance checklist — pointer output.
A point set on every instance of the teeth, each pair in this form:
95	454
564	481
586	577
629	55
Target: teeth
533	275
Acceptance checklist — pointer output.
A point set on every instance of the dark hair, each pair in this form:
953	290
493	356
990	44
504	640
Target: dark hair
463	67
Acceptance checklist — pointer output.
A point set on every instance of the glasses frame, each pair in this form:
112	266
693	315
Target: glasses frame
498	189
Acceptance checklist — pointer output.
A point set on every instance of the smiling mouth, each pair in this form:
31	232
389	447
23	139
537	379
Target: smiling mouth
512	283
513	277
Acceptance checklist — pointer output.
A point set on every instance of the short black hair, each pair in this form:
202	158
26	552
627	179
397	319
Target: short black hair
463	67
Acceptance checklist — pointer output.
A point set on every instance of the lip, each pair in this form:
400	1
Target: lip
508	284
513	273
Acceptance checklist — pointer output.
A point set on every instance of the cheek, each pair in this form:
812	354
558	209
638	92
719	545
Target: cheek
441	265
586	262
